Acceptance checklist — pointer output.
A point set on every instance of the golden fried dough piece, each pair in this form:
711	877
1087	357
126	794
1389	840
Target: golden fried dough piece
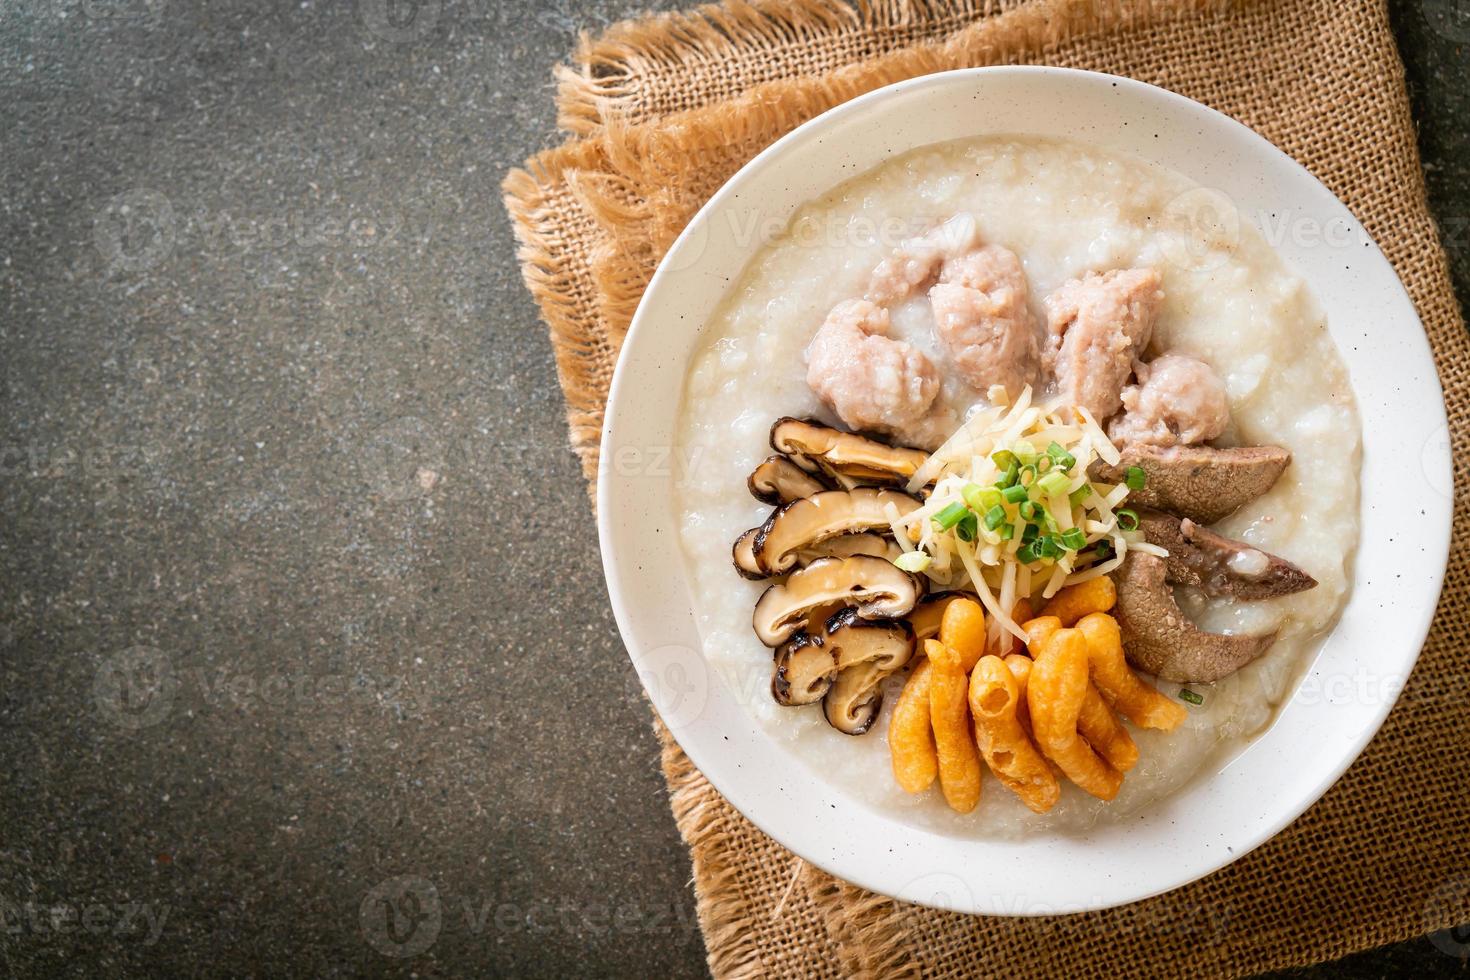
1039	631
1097	723
1104	732
1075	601
963	630
910	737
954	736
1140	703
929	613
1020	668
1005	746
1055	692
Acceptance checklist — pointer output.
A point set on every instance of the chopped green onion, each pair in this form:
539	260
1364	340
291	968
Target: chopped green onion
1024	451
1026	554
1049	547
1185	694
1073	539
971	493
1003	460
1027	475
1014	494
995	517
968	527
1080	494
1104	549
980	499
1009	477
1128	520
1029	533
1048	521
1043	464
950	516
1136	478
1053	483
1061	457
1029	510
913	561
1006	531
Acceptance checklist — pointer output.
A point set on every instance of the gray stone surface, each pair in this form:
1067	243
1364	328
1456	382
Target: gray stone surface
300	603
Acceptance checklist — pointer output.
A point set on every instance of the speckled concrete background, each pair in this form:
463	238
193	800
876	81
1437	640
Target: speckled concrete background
300	602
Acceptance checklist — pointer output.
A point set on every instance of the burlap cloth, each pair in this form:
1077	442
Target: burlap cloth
664	110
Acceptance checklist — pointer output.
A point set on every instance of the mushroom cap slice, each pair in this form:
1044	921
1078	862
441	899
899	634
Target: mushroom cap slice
804	669
847	545
804	523
854	459
1160	639
852	703
842	546
1201	483
876	587
886	643
1217	565
743	554
865	652
778	480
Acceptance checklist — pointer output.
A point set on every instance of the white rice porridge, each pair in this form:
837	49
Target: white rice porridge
1066	209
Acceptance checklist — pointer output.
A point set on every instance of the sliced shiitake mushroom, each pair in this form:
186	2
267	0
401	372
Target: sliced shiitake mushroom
842	546
847	545
875	586
779	481
1201	483
804	669
1160	639
743	554
864	652
1217	565
804	666
854	459
805	523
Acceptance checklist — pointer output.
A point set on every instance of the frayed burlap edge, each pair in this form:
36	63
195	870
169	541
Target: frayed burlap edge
607	75
547	266
605	72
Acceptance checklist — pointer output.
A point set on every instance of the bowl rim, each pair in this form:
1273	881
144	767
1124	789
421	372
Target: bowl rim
647	618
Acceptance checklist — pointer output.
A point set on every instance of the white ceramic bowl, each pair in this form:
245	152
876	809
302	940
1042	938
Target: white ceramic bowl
1221	814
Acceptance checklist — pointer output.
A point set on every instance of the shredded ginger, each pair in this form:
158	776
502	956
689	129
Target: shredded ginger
1008	544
